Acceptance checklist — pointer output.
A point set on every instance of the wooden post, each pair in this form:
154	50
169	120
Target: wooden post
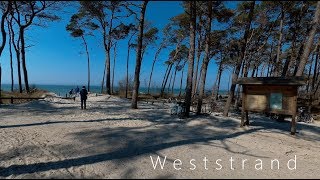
247	118
243	105
11	100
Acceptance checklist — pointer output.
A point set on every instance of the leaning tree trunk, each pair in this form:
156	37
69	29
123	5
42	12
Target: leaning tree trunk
169	85
88	60
238	67
174	80
166	80
206	59
135	91
23	58
153	63
308	45
149	84
193	16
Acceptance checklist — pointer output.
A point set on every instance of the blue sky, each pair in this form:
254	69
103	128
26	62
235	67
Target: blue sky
57	58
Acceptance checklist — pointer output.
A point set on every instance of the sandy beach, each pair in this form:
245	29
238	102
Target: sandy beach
54	138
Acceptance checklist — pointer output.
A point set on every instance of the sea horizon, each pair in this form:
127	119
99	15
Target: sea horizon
63	89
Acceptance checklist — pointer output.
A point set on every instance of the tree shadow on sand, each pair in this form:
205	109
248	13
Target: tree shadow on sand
164	132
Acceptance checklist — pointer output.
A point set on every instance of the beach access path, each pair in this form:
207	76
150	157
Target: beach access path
54	138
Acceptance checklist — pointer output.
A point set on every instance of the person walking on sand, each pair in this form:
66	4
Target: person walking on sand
83	97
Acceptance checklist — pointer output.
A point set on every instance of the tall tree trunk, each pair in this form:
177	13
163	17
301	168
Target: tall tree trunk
253	71
88	60
206	58
245	67
218	85
4	37
181	81
108	84
23	58
198	82
10	52
238	67
18	64
215	92
289	61
195	79
315	70
3	31
193	16
127	73
278	61
108	49
309	74
17	48
297	61
104	74
135	92
114	65
269	69
308	45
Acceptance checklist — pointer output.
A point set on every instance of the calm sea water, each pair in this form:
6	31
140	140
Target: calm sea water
62	90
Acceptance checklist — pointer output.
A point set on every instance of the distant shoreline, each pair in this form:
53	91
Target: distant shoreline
62	90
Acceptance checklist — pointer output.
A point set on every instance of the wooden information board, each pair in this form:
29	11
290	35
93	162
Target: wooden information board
272	95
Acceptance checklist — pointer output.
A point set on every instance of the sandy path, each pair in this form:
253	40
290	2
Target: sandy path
53	138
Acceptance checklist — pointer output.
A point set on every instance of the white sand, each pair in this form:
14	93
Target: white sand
54	138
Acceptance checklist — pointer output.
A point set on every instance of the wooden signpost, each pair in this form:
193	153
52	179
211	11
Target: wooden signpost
270	95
